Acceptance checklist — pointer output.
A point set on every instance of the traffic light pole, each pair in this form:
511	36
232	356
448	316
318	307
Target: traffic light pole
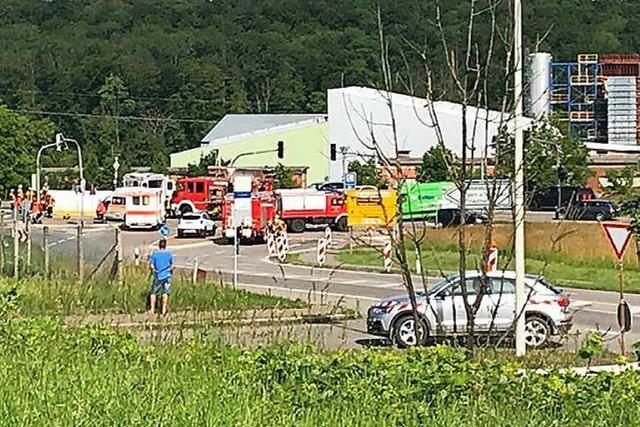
279	150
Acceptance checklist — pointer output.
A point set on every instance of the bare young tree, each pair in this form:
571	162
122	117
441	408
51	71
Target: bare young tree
469	72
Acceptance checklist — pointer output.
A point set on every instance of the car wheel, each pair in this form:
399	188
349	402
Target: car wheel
180	234
296	226
600	217
404	332
536	331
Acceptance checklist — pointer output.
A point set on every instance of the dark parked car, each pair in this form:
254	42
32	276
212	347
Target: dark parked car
451	217
590	210
328	186
547	199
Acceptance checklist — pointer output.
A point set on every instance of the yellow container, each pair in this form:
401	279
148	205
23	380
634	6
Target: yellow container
371	207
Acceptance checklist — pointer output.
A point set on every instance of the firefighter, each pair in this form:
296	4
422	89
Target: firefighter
51	202
19	197
37	212
12	197
25	207
101	211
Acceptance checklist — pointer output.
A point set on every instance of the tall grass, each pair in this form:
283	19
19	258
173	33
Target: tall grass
64	295
562	240
91	376
569	254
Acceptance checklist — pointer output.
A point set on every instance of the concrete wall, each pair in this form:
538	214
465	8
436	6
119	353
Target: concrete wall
67	202
303	146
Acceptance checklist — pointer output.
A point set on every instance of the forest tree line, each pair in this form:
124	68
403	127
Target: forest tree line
145	78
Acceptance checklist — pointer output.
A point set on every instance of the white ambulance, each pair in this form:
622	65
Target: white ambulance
144	209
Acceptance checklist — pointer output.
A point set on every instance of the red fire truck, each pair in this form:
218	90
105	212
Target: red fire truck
300	207
249	209
202	193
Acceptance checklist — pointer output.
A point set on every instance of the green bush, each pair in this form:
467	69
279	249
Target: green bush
94	376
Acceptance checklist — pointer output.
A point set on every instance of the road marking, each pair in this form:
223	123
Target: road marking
185	246
578	304
391	285
306	291
610	313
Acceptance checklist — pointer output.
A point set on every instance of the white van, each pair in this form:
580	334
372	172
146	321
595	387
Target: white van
144	208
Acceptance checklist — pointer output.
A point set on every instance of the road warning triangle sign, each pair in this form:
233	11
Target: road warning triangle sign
619	236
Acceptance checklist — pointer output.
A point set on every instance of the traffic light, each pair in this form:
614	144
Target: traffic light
562	175
281	149
333	155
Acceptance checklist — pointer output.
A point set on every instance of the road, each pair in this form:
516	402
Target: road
594	310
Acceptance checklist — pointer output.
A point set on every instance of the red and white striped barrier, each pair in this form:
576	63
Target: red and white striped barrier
492	259
327	236
281	249
271	245
321	255
285	240
386	255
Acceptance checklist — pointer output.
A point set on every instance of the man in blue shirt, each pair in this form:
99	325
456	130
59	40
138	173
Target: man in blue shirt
162	265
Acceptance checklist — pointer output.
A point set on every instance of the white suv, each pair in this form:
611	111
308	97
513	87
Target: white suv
442	311
196	223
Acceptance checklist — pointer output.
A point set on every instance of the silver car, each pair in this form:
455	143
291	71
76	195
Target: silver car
442	310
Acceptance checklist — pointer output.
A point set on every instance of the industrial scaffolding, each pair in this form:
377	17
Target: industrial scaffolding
577	96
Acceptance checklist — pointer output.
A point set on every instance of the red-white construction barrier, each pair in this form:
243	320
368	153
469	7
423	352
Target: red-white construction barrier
492	259
321	254
386	255
327	236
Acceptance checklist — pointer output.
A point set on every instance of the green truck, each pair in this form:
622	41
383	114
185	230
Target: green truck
422	200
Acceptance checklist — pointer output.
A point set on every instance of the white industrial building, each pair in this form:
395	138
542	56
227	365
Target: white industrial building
360	122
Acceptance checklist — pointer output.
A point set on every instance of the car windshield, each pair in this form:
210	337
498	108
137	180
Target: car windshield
191	216
545	283
434	289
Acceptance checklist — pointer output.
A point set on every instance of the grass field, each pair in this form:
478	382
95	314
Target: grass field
569	254
64	296
57	376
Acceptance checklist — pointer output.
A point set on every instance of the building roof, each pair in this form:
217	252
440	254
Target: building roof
360	117
241	124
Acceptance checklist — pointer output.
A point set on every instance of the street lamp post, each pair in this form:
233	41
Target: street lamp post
62	141
44	147
519	183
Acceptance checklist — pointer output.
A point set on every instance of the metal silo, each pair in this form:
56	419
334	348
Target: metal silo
540	84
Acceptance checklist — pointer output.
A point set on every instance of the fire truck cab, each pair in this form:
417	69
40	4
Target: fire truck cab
203	193
299	207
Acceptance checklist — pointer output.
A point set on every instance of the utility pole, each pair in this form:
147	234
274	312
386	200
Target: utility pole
1	243
79	254
521	346
16	248
45	248
119	258
236	252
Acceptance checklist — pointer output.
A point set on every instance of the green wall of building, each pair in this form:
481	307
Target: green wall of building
304	146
